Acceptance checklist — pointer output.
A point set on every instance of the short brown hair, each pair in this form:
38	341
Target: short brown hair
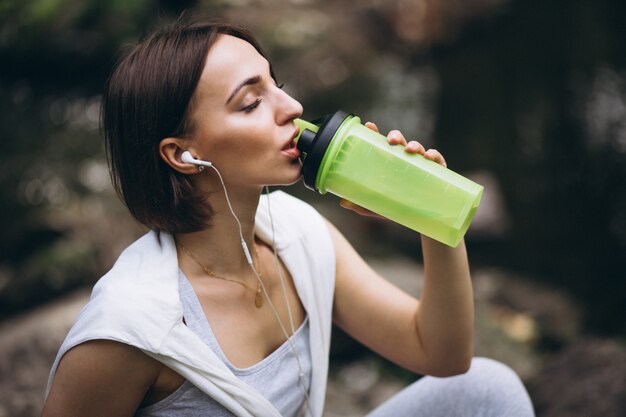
146	99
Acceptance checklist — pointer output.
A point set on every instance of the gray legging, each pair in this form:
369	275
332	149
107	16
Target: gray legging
488	389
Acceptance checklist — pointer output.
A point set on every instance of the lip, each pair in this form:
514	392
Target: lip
290	147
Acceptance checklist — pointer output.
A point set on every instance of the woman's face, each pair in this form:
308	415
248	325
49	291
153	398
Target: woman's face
242	122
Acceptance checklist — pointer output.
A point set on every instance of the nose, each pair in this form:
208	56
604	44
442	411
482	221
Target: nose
288	109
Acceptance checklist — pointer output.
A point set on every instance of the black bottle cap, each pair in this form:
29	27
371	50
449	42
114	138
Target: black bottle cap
313	146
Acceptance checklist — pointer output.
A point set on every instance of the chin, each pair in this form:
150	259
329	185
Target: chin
295	174
289	180
297	180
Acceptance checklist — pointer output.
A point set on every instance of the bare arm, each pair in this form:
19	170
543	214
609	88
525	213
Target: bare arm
430	336
100	378
445	319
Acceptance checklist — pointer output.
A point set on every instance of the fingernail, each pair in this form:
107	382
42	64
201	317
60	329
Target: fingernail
394	134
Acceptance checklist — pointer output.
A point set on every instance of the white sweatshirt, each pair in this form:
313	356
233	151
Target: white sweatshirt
137	302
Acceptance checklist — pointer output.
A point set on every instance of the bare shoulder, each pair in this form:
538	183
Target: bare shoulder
101	378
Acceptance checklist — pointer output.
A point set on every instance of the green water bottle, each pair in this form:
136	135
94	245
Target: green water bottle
345	158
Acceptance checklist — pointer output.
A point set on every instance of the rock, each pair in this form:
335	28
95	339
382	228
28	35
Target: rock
528	310
27	349
586	379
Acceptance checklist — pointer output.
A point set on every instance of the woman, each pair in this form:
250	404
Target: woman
225	307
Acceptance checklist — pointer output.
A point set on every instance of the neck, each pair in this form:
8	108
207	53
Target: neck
219	247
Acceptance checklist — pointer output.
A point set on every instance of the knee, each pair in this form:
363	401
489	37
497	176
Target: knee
500	385
493	374
489	389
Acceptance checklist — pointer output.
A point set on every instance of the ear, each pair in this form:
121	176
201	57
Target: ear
170	150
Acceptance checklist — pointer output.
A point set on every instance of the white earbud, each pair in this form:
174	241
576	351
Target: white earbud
189	159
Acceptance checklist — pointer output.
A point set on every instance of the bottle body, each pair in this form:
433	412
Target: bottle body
360	166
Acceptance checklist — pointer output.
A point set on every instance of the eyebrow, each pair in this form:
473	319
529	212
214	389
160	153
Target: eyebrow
249	81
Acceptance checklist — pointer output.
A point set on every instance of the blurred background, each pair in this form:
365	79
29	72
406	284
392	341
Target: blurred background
526	97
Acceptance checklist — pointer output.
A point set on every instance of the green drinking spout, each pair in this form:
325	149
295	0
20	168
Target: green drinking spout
307	133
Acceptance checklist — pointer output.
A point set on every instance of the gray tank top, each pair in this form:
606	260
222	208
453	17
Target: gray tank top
276	377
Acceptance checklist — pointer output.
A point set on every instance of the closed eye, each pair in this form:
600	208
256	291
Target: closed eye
250	107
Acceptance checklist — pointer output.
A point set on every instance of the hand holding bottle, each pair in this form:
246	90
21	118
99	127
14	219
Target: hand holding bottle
395	137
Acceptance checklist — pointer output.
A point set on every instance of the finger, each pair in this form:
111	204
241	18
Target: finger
395	137
415	147
357	209
434	155
372	126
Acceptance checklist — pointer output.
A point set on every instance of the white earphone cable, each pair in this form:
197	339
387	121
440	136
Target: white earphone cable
301	376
